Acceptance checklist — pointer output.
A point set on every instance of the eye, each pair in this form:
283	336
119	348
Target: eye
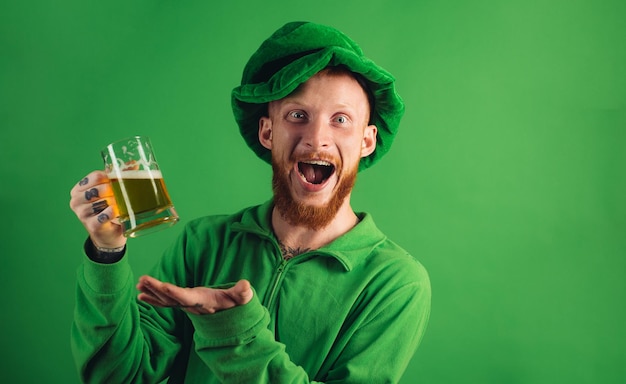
296	115
341	119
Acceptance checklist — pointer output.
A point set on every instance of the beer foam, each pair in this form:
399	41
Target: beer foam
136	174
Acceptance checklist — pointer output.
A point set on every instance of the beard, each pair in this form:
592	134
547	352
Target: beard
310	216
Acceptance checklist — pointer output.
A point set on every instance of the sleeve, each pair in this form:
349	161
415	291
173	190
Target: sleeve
380	348
115	338
239	348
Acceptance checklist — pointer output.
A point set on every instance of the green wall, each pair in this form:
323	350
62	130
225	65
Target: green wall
507	179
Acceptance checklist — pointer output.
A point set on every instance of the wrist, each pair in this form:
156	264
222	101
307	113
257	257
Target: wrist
109	250
104	255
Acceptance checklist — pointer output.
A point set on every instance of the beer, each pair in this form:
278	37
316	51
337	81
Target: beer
139	193
143	204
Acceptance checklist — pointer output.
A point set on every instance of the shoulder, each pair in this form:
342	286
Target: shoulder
396	260
394	280
383	256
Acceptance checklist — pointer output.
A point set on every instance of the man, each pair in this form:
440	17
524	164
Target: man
298	289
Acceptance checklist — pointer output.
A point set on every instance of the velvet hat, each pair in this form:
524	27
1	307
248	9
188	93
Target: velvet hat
292	55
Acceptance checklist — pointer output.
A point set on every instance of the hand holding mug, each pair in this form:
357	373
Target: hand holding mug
93	202
127	199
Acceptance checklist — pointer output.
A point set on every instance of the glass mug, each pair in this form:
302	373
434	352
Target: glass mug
144	205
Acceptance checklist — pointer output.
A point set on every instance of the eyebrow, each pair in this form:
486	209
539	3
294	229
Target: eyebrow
288	102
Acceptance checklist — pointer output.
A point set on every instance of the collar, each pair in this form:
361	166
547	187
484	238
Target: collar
349	249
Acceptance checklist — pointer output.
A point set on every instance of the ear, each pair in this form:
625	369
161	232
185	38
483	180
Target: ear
368	144
265	132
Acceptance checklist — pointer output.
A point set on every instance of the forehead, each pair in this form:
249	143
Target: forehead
328	87
333	77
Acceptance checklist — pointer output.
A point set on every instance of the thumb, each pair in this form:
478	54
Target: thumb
241	293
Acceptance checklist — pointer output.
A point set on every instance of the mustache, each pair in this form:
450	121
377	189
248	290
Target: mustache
311	156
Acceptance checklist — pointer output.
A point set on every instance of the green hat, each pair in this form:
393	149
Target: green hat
292	55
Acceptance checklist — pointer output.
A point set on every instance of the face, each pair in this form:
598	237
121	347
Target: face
317	136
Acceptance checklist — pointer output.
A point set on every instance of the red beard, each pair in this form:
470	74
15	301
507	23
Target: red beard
299	214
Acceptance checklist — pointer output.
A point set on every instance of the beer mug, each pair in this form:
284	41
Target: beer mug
144	205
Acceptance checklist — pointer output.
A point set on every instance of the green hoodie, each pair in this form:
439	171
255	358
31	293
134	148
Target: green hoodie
353	311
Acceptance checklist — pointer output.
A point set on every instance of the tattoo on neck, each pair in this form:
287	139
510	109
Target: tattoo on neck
289	252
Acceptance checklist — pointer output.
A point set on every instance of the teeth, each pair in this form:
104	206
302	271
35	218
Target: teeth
318	162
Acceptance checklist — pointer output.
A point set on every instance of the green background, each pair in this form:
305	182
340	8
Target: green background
507	179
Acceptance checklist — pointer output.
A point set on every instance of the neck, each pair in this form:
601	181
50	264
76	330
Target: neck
295	239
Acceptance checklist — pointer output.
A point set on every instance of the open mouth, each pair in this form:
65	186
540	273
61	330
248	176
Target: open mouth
316	171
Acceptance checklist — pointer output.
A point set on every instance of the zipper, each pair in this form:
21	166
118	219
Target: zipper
269	299
277	278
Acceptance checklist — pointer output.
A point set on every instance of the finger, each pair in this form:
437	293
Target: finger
148	298
96	192
98	206
163	294
156	291
146	285
98	222
92	187
146	280
155	301
92	179
94	209
84	181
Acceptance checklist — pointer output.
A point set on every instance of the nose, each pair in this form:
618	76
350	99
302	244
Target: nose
317	135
